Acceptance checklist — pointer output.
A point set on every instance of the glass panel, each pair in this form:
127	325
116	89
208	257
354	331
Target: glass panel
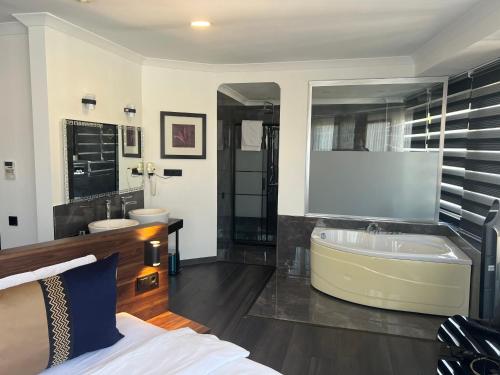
249	160
374	150
249	206
249	183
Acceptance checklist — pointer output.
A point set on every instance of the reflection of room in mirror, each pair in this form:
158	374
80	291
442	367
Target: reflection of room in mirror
91	156
131	143
99	158
356	127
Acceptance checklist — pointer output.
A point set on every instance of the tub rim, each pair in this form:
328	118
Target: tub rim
461	259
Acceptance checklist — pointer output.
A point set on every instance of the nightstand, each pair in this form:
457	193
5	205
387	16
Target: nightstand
169	321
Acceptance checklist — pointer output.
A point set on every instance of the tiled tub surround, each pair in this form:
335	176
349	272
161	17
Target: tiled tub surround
294	235
72	218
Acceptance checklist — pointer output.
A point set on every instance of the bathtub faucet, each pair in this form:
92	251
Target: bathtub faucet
373	228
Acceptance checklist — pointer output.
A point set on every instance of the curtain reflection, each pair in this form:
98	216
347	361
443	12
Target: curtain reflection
360	128
323	134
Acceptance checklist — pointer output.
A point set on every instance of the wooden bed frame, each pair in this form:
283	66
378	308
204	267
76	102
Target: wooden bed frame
129	242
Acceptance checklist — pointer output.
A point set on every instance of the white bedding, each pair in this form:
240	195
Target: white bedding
147	349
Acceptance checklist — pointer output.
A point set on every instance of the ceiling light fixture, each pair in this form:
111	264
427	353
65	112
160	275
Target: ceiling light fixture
200	24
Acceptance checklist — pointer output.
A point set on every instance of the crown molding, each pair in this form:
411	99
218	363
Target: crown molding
59	24
179	65
12	28
452	43
280	66
232	93
254	103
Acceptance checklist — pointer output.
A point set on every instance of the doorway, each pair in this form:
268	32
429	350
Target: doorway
247	155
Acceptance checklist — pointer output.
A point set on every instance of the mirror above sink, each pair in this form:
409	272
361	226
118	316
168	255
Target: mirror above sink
99	159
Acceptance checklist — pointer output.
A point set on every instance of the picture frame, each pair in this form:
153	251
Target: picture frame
131	141
183	135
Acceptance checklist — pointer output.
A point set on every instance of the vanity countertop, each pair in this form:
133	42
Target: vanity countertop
174	225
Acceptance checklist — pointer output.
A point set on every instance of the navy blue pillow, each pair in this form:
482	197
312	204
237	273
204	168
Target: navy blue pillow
81	309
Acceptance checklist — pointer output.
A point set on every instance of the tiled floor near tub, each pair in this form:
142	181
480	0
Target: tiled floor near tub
292	298
248	254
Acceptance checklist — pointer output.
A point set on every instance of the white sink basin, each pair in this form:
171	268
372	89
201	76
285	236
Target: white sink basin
149	215
104	225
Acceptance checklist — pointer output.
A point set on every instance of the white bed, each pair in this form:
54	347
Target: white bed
147	349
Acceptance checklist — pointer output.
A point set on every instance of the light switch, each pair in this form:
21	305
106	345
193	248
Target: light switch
10	171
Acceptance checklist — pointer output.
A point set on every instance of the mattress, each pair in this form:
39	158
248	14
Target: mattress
132	355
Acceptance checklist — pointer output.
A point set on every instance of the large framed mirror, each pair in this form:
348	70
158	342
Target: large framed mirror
100	159
375	148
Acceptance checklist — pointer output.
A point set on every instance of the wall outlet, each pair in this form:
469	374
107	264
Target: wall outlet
172	172
13	221
148	282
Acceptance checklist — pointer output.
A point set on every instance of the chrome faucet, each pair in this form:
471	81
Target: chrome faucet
125	203
108	209
373	228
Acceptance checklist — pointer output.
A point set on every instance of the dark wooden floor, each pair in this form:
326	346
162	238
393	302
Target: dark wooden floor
220	294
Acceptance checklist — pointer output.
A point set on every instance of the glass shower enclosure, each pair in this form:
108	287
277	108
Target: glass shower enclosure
255	187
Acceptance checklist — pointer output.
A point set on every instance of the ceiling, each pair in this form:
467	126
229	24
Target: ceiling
257	31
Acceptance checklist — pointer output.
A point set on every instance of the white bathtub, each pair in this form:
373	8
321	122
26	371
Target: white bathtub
408	272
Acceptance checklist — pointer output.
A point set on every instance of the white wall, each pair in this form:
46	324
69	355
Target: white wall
194	89
75	68
294	109
17	198
68	62
192	197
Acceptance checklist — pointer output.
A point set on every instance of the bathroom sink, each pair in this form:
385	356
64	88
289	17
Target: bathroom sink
149	215
104	225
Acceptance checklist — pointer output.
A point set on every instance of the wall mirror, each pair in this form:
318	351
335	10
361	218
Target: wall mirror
99	159
375	148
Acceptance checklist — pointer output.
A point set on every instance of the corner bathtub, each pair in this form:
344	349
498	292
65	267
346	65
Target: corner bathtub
409	272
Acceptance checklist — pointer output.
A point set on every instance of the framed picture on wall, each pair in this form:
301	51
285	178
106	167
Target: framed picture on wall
131	141
183	135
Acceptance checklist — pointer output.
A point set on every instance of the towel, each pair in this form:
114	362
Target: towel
251	135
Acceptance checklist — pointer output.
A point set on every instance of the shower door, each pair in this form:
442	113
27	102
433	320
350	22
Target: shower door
255	187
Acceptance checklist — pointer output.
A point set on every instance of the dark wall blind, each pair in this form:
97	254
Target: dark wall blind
471	161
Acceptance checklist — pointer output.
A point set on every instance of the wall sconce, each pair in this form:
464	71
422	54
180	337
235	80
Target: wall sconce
152	253
130	110
89	102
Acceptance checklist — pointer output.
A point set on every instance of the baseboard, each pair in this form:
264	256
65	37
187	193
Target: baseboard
194	261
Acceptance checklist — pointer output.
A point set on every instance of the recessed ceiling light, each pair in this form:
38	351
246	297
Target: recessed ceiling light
84	1
201	24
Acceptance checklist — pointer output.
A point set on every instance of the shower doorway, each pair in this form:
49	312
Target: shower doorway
247	156
255	186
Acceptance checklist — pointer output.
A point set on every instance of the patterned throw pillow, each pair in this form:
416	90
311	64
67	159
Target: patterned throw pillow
46	322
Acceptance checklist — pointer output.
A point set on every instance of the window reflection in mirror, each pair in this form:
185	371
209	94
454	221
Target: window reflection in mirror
374	149
99	160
